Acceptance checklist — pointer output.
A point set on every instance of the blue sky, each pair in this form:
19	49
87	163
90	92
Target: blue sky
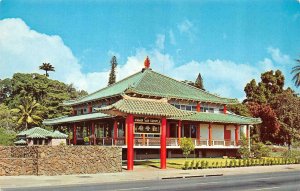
229	42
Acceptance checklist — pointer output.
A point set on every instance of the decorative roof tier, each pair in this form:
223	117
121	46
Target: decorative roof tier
148	83
40	133
142	106
219	118
72	119
20	142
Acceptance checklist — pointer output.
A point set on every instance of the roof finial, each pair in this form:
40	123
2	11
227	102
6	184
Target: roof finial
147	63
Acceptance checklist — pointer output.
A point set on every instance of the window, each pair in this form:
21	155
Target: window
194	108
188	108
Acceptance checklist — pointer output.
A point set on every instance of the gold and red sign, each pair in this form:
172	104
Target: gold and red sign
147	125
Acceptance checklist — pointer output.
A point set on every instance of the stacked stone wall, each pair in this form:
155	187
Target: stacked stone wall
58	160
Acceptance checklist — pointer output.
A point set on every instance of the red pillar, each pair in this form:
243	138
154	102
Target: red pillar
179	131
198	107
93	133
74	111
130	136
163	144
209	134
115	131
237	128
225	109
90	108
74	134
247	132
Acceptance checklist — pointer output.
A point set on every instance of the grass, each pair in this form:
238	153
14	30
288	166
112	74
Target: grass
177	163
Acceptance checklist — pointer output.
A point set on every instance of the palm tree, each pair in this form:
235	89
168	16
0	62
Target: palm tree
296	72
28	113
47	67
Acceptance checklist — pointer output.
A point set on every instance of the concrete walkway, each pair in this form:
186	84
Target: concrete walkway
139	173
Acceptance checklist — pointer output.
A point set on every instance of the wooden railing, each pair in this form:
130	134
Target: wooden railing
155	141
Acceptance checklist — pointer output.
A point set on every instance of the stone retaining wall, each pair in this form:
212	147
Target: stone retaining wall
58	160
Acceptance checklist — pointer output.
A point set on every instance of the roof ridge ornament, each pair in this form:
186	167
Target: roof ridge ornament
147	63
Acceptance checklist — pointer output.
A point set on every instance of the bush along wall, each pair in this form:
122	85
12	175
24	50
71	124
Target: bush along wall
232	163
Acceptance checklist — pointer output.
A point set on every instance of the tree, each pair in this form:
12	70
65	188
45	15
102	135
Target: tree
6	118
269	128
112	74
240	109
199	82
244	150
296	72
28	113
186	145
47	67
7	137
47	92
264	92
287	108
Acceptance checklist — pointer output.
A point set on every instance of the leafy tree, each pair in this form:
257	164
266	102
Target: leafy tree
296	72
287	108
186	145
47	67
5	89
264	92
48	93
7	137
260	150
199	82
240	109
6	118
269	128
112	74
244	150
28	113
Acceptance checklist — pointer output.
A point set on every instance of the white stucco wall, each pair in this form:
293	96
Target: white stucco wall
203	131
243	130
218	132
55	142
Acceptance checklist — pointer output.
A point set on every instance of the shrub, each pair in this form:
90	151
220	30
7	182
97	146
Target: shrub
186	165
186	145
202	166
192	164
197	165
226	164
231	164
240	163
212	164
260	150
206	164
217	164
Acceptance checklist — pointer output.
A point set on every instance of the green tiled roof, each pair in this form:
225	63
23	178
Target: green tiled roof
143	106
35	130
39	133
151	83
36	136
116	89
58	135
20	142
219	118
76	118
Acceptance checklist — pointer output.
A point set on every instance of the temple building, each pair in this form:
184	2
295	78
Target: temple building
147	113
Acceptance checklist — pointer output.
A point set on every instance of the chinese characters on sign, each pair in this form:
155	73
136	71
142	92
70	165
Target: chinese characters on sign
147	125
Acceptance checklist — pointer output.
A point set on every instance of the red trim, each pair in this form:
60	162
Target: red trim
90	108
209	134
198	132
130	137
115	131
237	128
179	131
225	109
247	132
93	133
74	134
198	107
163	144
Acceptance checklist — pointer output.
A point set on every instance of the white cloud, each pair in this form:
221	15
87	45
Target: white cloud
111	53
266	64
23	50
187	27
172	37
160	41
278	57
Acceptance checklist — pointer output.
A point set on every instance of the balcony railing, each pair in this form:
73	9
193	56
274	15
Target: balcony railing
155	141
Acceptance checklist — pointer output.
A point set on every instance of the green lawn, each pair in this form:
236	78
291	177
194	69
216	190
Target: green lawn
179	162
